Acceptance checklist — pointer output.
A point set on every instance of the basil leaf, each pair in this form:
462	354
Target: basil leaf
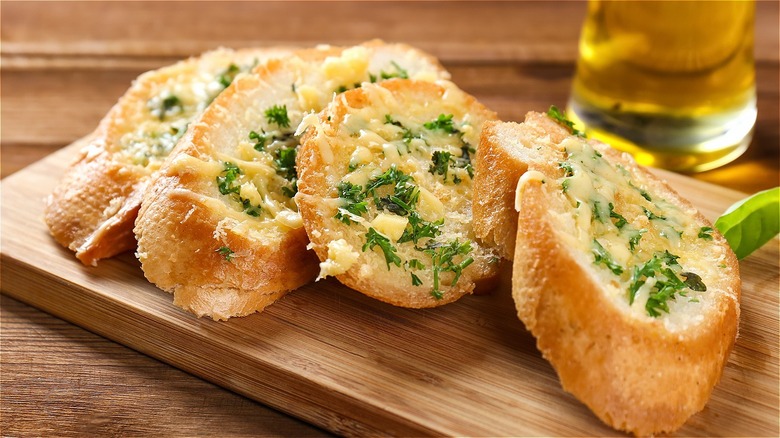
752	222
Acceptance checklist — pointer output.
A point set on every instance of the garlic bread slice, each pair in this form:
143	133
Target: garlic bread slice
631	293
92	210
385	191
219	227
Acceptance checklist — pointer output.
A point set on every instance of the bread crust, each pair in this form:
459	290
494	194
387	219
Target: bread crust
495	218
319	176
182	204
634	373
93	208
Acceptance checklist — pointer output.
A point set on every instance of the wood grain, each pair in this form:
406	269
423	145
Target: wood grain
48	390
355	366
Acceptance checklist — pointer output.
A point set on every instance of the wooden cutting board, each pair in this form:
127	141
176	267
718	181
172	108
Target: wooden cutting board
355	366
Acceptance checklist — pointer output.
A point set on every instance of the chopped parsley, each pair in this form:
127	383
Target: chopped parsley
556	114
391	176
640	190
399	73
650	215
440	163
705	233
278	115
407	134
443	258
599	212
252	210
355	201
225	252
418	228
667	284
414	264
604	257
343	88
621	221
285	166
227	180
567	169
166	106
374	238
259	139
693	281
633	240
443	122
228	185
227	77
285	163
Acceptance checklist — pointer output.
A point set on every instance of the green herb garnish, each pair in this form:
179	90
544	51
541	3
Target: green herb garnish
260	140
355	201
443	122
417	229
285	163
565	185
556	114
567	169
225	252
251	210
633	240
693	282
278	114
667	283
621	221
443	258
399	73
168	105
604	257
705	233
226	78
374	238
650	215
227	180
440	163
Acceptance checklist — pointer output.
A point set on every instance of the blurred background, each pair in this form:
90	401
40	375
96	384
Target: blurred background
65	63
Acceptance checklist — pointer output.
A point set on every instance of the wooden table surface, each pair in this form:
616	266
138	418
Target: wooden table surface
64	64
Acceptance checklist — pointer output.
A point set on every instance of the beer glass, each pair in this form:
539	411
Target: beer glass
671	82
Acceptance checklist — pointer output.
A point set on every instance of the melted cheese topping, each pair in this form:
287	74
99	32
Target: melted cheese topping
175	96
265	188
617	211
428	142
341	257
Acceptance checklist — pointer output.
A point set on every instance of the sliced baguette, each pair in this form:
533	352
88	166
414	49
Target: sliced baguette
92	210
218	226
379	132
640	367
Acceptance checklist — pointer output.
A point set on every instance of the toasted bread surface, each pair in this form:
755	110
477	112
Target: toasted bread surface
92	210
631	294
218	226
385	192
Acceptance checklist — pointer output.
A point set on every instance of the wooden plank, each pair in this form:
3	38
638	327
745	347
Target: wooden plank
57	377
355	366
454	31
486	31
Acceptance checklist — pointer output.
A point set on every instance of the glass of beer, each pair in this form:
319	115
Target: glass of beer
671	82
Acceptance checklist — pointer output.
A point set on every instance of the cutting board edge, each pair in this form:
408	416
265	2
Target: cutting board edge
349	421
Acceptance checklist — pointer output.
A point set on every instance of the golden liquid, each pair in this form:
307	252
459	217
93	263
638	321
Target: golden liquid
671	81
